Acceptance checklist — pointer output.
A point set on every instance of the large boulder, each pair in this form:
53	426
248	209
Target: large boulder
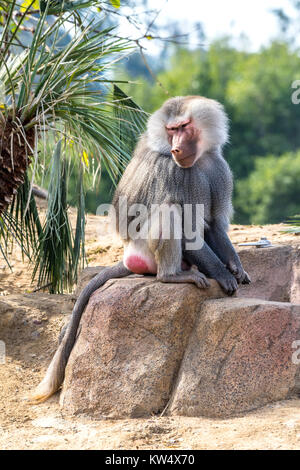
274	272
145	347
239	357
133	336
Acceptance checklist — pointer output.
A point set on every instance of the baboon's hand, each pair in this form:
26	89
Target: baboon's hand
198	278
238	271
227	281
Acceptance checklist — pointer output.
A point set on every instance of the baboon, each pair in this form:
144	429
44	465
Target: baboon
178	161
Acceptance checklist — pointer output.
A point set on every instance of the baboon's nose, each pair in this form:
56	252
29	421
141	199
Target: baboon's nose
176	152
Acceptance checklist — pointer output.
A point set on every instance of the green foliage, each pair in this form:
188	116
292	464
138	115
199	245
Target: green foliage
58	6
63	93
271	193
255	88
115	3
264	119
21	223
56	256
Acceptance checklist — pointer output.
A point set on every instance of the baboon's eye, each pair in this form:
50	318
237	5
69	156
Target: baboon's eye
186	124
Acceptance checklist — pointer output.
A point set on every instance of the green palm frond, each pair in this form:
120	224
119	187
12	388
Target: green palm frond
54	255
65	89
59	6
78	247
21	223
131	120
130	117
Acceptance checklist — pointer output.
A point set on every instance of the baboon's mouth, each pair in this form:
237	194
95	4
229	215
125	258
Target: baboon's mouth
185	162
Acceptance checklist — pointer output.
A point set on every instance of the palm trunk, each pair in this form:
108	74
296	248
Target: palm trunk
15	152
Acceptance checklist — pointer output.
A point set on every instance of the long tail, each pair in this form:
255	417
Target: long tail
56	371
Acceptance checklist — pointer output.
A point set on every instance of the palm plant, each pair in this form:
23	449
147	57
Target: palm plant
64	91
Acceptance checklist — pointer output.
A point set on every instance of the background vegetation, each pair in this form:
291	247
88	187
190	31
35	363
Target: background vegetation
73	91
255	89
63	119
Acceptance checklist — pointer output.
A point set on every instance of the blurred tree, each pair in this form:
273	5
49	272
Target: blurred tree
283	19
264	119
255	88
271	193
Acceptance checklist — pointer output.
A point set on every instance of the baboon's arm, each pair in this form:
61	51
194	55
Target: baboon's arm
220	243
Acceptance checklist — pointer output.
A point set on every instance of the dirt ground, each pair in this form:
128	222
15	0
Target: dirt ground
29	326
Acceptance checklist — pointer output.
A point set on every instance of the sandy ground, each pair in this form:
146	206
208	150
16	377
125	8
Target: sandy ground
29	326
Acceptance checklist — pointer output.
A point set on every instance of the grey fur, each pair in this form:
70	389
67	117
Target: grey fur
153	177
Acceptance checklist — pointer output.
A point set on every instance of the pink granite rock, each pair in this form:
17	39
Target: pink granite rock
239	357
145	346
133	336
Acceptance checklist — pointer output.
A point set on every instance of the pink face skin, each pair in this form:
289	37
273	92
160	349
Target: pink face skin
184	138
